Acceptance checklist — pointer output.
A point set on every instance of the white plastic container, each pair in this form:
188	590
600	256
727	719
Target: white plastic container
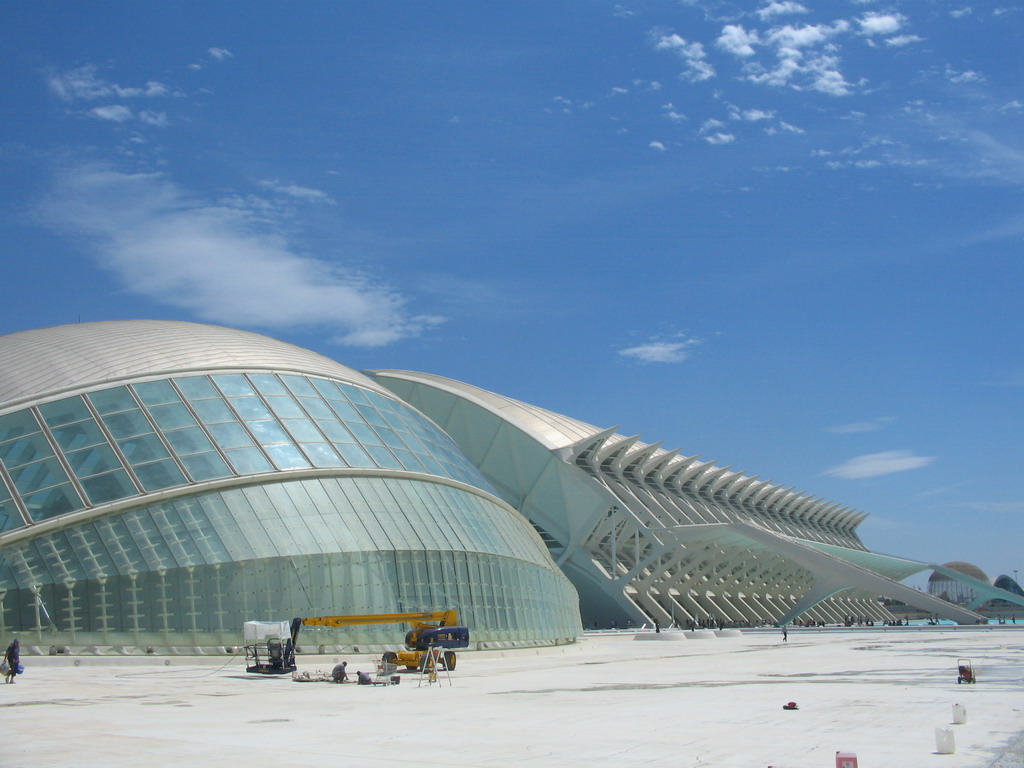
945	744
959	714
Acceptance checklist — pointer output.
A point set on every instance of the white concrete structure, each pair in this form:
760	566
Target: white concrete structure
649	535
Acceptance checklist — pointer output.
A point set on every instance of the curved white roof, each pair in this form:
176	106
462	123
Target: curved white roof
552	429
48	361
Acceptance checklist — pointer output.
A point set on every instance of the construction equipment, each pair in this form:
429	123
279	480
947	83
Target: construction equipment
269	649
431	629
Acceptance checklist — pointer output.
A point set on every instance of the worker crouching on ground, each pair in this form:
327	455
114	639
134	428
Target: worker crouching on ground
364	678
339	674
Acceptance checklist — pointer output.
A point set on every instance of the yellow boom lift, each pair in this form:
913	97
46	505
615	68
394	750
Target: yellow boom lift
431	629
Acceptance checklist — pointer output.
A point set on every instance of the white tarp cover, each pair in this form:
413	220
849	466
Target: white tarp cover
259	631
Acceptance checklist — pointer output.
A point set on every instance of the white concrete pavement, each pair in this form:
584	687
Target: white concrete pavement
607	701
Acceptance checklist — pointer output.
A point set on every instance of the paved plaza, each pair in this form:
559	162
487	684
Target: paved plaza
609	700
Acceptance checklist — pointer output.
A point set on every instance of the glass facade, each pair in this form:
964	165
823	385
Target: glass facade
111	444
193	569
193	566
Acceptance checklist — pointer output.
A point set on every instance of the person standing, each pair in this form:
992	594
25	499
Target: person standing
12	658
785	635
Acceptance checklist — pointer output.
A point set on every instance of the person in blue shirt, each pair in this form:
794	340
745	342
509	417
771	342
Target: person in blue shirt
12	658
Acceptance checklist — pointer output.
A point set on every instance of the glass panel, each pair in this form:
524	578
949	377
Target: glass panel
92	461
65	411
371	415
286	408
299	386
390	439
303	430
268	432
113	485
413	464
268	383
143	448
345	411
230	435
55	501
364	434
17	452
322	455
171	416
9	516
128	424
17	424
354	394
354	455
196	387
205	466
156	392
327	389
233	384
41	474
113	400
190	440
213	411
383	457
316	408
74	436
251	408
248	460
287	456
336	431
159	474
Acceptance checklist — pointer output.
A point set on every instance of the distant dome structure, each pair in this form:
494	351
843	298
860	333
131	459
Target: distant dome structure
946	587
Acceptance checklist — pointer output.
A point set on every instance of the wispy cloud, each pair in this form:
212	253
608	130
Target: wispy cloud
83	84
862	426
219	263
777	8
294	190
672	350
875	464
220	53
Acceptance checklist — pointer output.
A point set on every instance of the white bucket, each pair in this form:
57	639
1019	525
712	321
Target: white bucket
959	714
944	742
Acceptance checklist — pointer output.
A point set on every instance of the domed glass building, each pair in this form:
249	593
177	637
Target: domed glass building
161	483
945	586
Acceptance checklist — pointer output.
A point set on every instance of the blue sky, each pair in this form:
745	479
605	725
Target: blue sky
783	235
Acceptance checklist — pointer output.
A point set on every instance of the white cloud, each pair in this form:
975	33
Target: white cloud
880	23
294	190
219	263
736	40
720	138
115	113
82	84
158	119
961	12
698	68
900	40
862	426
875	464
661	351
657	145
220	53
967	76
777	8
790	37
